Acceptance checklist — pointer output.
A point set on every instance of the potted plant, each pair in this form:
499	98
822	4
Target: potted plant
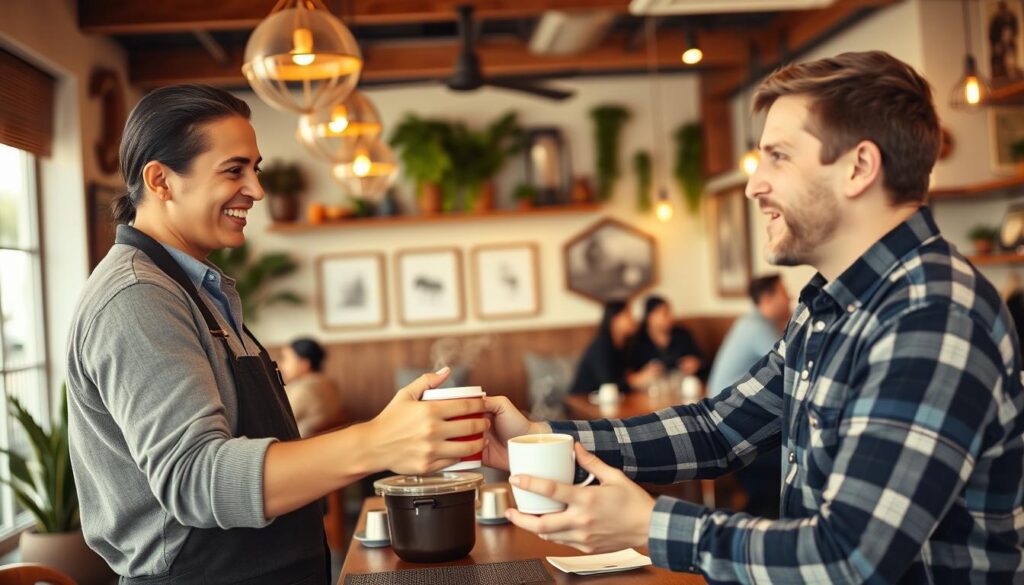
251	279
524	196
421	151
44	484
608	122
642	168
984	238
283	183
688	169
478	156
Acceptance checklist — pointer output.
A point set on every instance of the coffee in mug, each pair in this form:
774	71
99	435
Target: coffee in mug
547	456
462	392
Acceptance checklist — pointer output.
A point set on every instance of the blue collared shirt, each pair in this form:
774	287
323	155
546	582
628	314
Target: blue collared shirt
206	277
896	397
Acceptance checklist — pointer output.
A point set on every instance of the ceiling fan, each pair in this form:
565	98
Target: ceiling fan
468	75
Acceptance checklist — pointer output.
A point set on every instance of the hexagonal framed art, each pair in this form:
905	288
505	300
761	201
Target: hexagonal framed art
610	260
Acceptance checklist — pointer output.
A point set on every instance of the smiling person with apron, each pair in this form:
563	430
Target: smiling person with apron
187	458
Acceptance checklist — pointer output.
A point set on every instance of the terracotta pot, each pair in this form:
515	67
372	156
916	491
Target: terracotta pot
430	198
581	191
283	208
66	552
983	247
315	213
485	200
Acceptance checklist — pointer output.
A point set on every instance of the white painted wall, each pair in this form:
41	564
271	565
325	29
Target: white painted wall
685	276
45	32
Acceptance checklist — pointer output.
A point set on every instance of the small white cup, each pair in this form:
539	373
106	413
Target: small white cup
548	456
690	387
377	525
608	393
493	503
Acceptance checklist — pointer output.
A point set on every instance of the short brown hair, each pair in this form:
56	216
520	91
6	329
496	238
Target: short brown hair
866	96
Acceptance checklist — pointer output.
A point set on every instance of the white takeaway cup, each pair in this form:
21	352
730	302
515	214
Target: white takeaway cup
548	456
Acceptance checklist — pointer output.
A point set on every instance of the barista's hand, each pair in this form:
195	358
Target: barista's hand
508	422
689	364
411	437
609	517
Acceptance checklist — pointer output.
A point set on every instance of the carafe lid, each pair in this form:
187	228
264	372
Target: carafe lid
448	482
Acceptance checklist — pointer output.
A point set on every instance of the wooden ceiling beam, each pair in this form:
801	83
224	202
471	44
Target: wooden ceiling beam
139	17
388	63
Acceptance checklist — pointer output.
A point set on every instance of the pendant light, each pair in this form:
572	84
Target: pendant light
366	168
663	208
301	58
972	90
751	159
692	55
329	132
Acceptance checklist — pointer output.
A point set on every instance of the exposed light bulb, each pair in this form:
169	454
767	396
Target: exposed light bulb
663	211
692	56
361	165
302	43
972	90
750	162
339	119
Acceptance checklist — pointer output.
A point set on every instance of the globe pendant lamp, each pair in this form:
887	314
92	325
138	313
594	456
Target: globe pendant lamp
366	168
301	58
329	132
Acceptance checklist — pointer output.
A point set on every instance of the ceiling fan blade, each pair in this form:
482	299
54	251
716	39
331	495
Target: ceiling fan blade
525	86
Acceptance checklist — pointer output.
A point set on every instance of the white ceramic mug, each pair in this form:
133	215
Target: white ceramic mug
548	456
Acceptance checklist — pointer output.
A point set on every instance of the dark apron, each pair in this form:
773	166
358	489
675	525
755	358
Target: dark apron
291	550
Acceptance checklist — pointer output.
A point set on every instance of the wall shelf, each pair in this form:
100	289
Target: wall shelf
996	259
1005	188
445	218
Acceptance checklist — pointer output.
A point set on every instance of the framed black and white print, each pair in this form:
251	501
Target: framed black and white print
506	281
429	282
351	291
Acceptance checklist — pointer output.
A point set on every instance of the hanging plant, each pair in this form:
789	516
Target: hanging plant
642	167
608	121
688	170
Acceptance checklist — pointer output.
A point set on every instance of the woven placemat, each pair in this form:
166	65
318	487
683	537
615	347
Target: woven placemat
528	572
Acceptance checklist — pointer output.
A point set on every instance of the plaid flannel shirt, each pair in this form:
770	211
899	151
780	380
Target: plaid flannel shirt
895	395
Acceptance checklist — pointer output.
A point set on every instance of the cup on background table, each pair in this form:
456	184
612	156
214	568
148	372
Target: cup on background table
462	392
548	456
608	393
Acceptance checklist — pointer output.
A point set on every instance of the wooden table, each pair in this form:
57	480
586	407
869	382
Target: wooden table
501	543
579	407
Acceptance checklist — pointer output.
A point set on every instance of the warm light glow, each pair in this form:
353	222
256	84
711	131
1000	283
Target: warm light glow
361	165
749	162
972	91
663	211
339	119
693	56
302	41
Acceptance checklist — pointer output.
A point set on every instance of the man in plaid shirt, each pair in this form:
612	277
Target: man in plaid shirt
895	392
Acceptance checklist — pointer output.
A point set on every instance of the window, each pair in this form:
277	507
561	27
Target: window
23	357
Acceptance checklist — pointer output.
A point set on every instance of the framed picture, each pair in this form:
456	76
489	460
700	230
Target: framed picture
351	291
730	238
506	281
99	213
1006	128
429	286
1003	41
610	260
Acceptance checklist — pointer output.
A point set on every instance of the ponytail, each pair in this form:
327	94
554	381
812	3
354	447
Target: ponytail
123	209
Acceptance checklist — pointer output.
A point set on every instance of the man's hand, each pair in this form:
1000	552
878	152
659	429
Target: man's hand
506	422
605	518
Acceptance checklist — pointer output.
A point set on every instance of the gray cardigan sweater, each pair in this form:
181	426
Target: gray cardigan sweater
153	414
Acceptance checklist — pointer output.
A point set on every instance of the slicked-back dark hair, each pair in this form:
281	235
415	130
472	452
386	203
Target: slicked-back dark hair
166	126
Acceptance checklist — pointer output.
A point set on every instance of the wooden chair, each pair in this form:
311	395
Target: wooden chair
32	573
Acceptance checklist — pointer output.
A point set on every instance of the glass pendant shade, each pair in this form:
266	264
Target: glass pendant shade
366	169
301	58
972	90
330	132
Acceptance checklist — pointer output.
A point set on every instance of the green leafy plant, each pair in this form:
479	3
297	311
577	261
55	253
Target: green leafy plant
420	144
284	179
44	483
608	122
252	278
477	156
642	167
983	232
687	169
1017	150
525	192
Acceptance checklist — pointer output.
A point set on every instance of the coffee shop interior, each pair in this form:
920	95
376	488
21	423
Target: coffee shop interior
466	184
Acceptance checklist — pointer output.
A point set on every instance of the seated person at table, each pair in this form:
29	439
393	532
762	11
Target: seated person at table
605	359
753	334
895	392
660	340
315	399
